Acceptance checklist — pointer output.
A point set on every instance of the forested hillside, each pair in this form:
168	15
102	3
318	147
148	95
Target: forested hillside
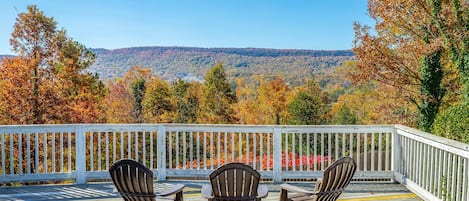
192	63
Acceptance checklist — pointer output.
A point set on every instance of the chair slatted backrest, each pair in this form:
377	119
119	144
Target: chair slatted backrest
133	180
235	181
335	178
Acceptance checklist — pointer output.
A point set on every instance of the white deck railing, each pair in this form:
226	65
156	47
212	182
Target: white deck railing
433	167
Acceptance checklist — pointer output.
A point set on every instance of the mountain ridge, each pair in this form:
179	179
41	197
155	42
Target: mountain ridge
191	63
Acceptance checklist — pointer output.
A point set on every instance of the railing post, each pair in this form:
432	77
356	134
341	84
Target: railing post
161	153
80	155
396	157
277	149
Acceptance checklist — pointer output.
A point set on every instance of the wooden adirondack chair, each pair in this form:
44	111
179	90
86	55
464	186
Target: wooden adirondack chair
335	178
234	181
135	182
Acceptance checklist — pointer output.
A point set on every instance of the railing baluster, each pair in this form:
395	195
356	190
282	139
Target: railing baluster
20	153
191	151
28	155
198	150
205	150
247	147
107	150
329	148
254	150
301	150
99	151
336	143
286	151
45	153
53	152
184	147
358	151
447	177
293	151
212	151
69	145
232	146
61	143
170	148
380	152
431	164
129	144
177	149
36	154
344	141
440	173
365	151
2	135
240	149
465	186
372	151
218	148
454	177
114	148
91	152
315	151
151	149
136	145
308	151
11	154
418	153
225	152
351	145
261	142
269	157
121	134
387	147
459	178
322	151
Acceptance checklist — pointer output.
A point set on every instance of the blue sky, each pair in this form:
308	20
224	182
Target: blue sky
289	24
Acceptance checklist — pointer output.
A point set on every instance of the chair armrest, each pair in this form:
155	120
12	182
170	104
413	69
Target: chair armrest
206	191
174	189
292	188
262	191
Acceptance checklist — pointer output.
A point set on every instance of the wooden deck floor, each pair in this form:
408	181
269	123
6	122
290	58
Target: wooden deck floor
106	192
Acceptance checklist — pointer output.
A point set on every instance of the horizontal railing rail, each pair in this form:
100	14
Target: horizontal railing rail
433	167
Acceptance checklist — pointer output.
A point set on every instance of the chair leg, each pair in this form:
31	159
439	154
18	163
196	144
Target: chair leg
283	195
179	196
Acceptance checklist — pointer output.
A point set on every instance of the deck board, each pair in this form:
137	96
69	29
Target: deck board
106	192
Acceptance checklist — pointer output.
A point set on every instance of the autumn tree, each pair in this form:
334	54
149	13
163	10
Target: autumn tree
61	92
404	53
83	92
127	94
219	97
17	98
156	104
117	107
308	107
187	97
273	97
32	40
247	109
452	20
